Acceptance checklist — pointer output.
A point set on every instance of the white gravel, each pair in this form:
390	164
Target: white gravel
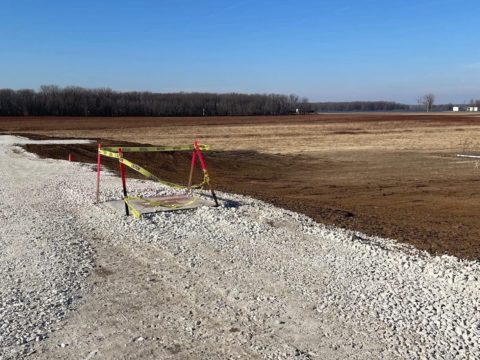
335	293
44	257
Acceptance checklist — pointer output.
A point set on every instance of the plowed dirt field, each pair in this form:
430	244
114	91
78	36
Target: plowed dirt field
391	175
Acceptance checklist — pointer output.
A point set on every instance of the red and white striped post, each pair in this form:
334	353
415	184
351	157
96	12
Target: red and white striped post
200	158
204	169
69	157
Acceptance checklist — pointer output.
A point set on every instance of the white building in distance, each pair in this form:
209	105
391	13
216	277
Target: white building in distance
466	108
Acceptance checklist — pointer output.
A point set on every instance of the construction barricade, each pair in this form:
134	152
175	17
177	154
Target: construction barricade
138	206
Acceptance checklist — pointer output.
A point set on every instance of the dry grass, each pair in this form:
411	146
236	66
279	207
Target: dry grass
285	135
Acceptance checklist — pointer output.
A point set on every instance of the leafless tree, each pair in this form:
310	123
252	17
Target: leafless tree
427	100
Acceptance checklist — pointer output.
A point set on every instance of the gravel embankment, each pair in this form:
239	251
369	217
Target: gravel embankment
292	287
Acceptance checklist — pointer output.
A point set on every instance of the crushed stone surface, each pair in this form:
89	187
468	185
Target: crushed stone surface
244	280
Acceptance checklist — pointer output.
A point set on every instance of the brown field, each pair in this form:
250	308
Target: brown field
392	175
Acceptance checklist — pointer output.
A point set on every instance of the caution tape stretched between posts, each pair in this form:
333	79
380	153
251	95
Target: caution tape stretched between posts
109	153
113	149
116	153
150	176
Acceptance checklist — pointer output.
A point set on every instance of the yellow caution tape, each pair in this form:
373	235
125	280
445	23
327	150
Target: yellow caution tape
109	153
112	152
147	173
153	148
134	211
150	176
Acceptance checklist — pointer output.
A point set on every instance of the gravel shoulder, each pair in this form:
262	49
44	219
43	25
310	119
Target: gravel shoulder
244	280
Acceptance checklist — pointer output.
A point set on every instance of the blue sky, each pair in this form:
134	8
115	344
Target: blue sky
324	50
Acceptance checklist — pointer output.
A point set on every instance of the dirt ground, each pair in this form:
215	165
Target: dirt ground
391	175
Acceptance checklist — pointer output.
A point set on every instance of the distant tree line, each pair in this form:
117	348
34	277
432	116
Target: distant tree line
474	102
77	101
359	106
444	107
424	104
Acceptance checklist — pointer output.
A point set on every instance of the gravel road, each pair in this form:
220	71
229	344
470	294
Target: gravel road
245	280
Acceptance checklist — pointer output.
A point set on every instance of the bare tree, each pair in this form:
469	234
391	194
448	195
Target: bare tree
427	100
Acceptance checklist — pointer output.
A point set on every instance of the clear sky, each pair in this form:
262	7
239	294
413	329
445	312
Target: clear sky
324	50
